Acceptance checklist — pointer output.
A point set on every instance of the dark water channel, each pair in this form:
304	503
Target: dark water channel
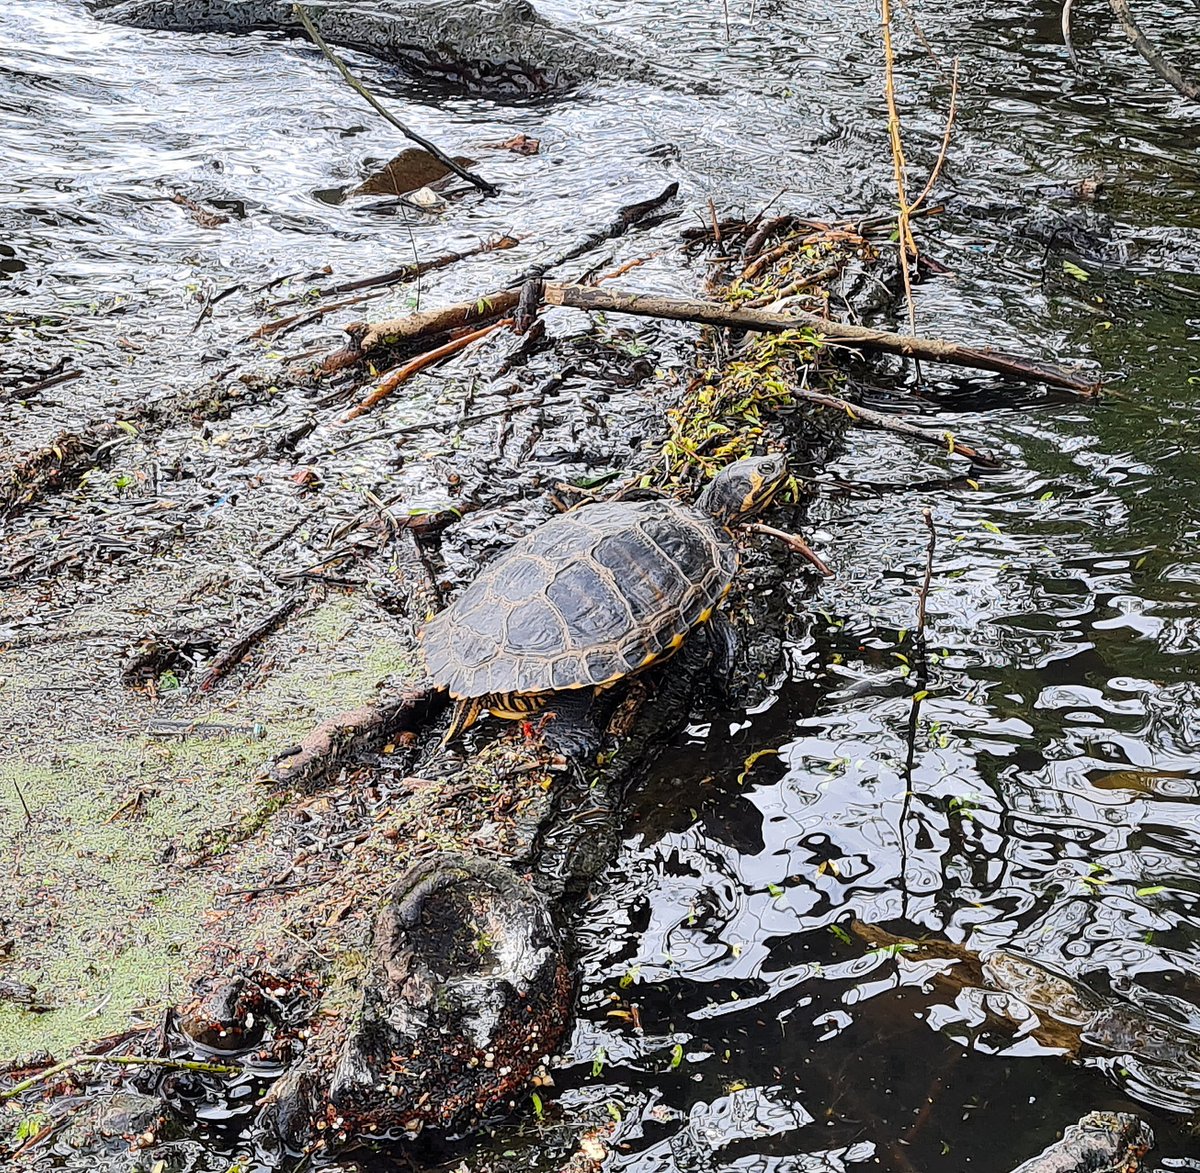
1055	767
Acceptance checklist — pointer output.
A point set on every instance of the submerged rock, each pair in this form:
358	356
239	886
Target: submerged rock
1102	1142
493	45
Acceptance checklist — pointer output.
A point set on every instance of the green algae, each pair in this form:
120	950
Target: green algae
105	906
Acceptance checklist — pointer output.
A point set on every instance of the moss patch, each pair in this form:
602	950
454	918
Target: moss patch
102	905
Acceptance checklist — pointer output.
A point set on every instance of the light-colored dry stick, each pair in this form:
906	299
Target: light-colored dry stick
794	542
1154	59
415	365
794	287
120	1061
946	441
941	159
908	246
302	15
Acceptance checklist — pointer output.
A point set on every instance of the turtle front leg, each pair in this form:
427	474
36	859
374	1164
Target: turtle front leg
571	730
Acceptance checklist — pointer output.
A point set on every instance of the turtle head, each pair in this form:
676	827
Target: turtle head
743	488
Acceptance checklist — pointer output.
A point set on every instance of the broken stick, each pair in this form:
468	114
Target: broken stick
232	653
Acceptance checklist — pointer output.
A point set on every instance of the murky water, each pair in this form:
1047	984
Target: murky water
1047	796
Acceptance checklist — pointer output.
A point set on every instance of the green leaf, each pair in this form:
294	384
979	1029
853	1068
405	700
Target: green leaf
1073	270
840	933
775	890
1048	495
598	1062
1153	890
676	1056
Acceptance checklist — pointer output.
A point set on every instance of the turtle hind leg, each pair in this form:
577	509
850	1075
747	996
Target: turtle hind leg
571	731
466	713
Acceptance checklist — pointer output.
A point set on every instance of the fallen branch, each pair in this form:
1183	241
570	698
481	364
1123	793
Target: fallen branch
353	82
120	1061
795	543
1156	61
865	416
232	654
413	366
366	337
859	337
404	273
626	218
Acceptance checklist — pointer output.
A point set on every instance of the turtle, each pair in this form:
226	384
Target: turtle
590	597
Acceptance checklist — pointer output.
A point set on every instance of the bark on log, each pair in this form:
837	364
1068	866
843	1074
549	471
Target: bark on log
860	337
367	337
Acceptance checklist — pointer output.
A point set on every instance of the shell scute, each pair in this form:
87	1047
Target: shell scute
587	598
590	604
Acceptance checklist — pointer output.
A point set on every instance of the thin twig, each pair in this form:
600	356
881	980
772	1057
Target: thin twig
232	654
413	366
946	441
24	804
908	246
121	1061
1066	34
941	159
923	597
795	543
310	28
921	680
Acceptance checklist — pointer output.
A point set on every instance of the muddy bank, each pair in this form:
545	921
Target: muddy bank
286	947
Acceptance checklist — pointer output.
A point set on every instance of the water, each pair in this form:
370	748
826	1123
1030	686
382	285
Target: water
1046	799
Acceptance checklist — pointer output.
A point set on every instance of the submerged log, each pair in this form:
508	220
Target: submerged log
1114	1141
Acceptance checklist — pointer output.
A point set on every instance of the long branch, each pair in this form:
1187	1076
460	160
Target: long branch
360	89
1162	67
120	1061
860	337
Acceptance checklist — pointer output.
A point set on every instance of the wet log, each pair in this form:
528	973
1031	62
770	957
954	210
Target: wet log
469	989
365	338
334	742
709	313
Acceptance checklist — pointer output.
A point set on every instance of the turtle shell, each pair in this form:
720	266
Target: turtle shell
585	599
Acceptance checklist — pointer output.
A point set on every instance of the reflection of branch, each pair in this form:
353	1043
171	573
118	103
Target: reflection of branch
1163	68
921	678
